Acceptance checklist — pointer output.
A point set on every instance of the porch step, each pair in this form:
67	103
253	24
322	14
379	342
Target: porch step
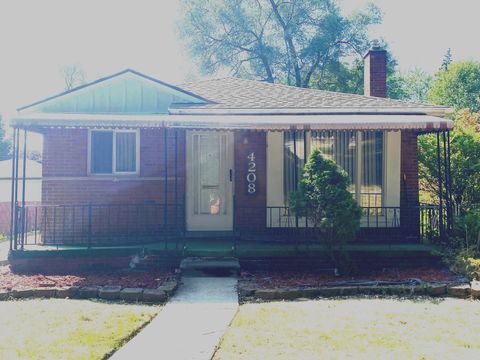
208	266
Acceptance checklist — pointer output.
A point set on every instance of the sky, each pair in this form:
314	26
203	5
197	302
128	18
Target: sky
38	38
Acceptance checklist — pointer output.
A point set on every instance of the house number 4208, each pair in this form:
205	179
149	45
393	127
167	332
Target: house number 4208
251	174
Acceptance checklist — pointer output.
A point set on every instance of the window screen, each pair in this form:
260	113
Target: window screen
101	152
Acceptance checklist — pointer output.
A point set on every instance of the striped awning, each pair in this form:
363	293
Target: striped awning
273	122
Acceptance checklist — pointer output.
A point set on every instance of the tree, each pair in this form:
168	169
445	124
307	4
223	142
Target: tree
289	42
5	144
73	76
34	155
348	77
411	86
323	198
465	160
458	86
447	60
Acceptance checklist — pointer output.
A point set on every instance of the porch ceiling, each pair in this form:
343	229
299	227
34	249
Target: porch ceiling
248	122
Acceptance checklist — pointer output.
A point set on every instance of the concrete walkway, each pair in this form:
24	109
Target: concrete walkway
4	249
190	325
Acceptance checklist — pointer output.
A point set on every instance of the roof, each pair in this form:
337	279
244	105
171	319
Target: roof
240	94
106	78
240	104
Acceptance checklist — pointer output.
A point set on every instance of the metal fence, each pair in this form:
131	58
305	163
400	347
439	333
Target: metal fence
96	224
119	224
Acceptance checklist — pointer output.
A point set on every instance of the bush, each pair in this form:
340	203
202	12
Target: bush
464	254
323	198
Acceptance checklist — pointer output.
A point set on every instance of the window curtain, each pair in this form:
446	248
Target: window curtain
372	169
341	147
125	152
101	152
294	160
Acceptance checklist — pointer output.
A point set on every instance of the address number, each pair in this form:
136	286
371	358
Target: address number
251	174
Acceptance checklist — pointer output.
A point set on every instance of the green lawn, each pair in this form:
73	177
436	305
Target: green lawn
67	329
354	329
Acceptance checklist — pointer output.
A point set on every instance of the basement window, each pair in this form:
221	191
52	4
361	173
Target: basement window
113	152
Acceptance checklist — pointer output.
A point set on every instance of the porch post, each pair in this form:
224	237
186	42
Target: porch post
165	208
16	189
447	183
24	213
12	200
450	174
295	168
440	188
175	132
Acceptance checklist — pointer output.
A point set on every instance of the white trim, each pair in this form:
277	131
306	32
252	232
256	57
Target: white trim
114	155
430	110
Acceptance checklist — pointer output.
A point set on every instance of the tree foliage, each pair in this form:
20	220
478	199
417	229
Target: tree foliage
457	86
411	86
5	144
72	76
323	198
290	42
465	160
447	60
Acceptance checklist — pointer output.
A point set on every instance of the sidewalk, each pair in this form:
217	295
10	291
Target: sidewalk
4	248
190	325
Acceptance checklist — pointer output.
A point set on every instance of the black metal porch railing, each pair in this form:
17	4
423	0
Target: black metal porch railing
372	216
122	224
96	224
282	224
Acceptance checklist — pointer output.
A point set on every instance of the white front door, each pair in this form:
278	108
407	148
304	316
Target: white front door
209	180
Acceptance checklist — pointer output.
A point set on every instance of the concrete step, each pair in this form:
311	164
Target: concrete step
210	266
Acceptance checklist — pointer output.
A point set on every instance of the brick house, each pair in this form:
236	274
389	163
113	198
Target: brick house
128	158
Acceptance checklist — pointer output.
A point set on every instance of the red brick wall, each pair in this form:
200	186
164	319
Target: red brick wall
409	190
67	182
65	159
250	212
375	73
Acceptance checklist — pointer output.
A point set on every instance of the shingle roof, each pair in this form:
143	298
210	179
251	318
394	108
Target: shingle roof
236	93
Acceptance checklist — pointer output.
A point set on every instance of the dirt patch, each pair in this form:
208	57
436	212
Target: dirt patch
148	279
276	280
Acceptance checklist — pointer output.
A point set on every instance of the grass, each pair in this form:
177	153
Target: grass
67	329
354	329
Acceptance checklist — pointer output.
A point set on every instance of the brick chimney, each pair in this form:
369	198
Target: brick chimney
375	71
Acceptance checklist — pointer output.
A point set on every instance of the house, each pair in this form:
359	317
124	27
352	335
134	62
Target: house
131	159
33	189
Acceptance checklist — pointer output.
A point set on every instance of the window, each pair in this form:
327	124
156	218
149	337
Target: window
340	147
372	169
360	154
293	160
114	151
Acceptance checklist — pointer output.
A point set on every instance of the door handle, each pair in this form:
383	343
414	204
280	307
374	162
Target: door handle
231	175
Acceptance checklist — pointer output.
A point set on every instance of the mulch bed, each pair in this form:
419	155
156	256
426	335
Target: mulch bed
277	280
148	279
